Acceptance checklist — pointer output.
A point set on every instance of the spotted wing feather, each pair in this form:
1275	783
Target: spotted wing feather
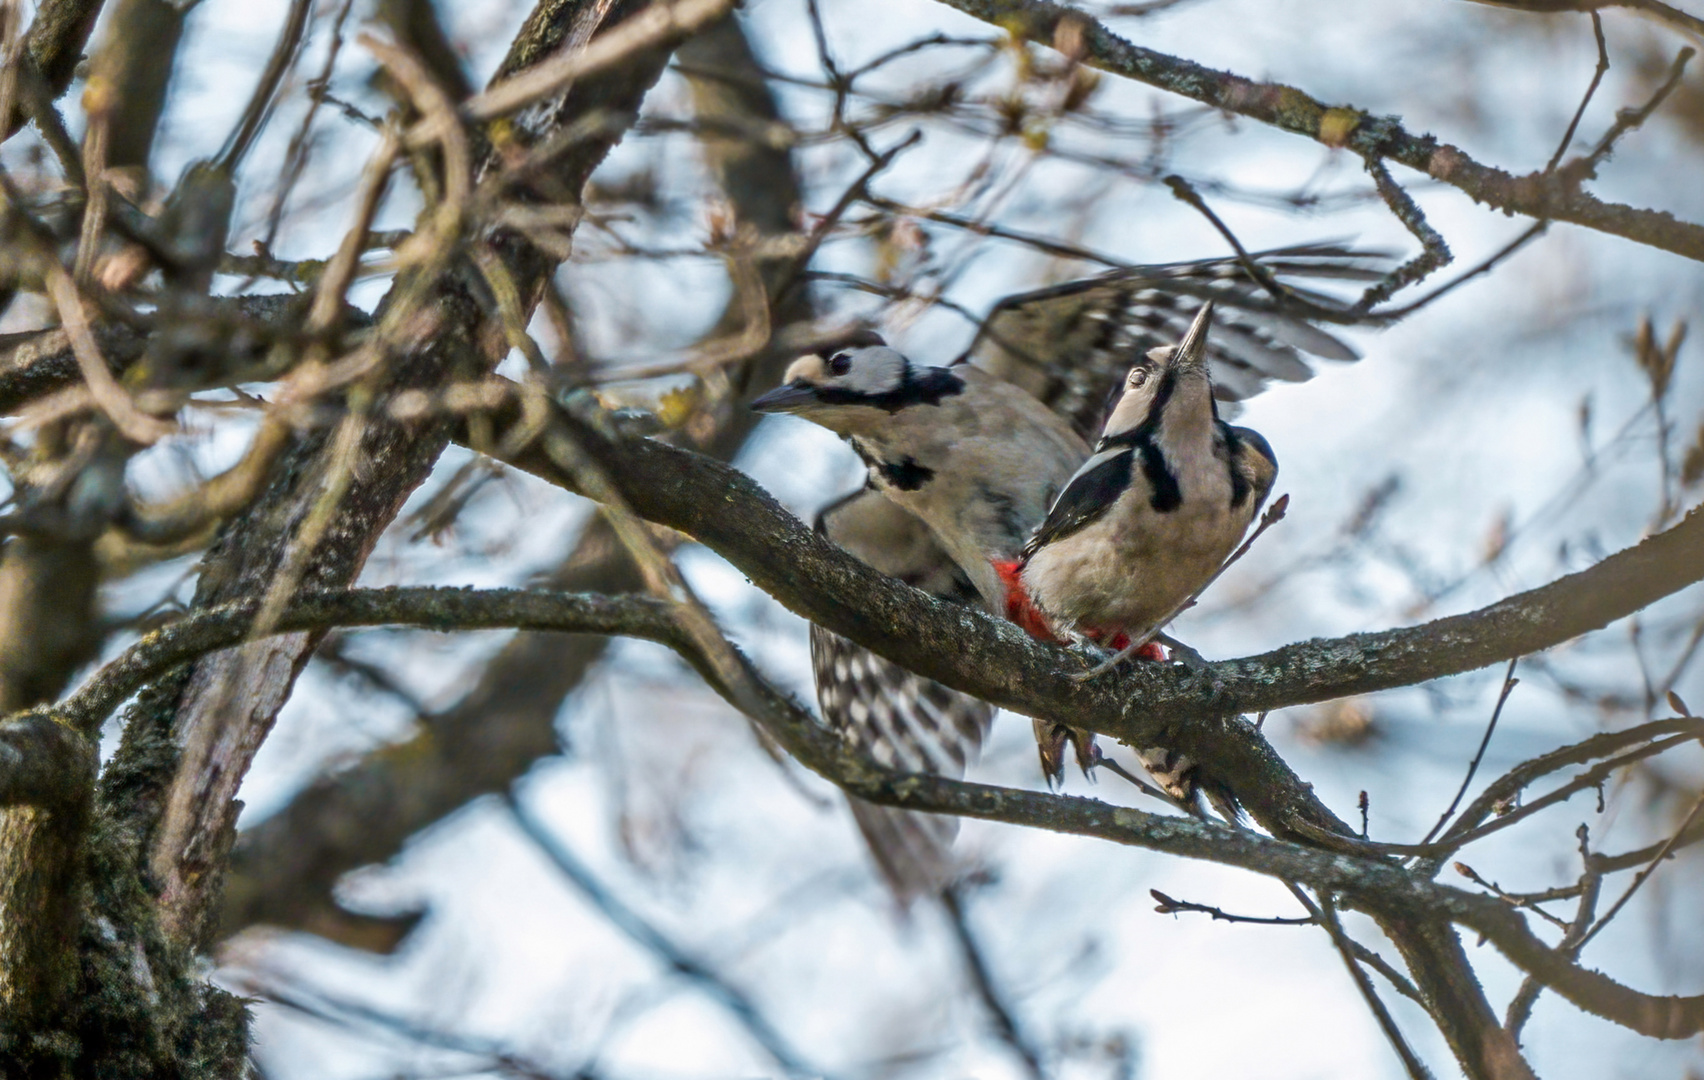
901	719
1070	344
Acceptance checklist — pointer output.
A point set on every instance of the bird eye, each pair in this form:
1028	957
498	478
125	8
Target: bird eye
1136	378
840	363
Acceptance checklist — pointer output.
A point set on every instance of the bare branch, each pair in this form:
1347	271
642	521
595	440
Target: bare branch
661	24
1372	884
1541	195
648	937
969	651
1509	683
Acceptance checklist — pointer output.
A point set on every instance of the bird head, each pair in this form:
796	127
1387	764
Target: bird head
1169	372
852	388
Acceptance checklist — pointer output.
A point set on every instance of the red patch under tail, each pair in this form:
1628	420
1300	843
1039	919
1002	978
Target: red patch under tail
1019	607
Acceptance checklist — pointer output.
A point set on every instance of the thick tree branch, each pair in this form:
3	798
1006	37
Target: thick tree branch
44	762
1372	884
316	525
39	363
54	45
1546	195
47	775
1196	711
723	509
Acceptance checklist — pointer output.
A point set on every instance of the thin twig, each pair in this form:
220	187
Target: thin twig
108	395
1473	875
651	27
1573	937
1628	120
1166	905
1186	193
1509	684
1597	78
266	90
1641	877
1410	1061
853	193
1005	1022
1590	779
297	153
1532	231
1112	766
654	941
1434	252
1045	245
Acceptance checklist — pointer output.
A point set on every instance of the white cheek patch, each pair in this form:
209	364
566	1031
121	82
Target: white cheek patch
875	370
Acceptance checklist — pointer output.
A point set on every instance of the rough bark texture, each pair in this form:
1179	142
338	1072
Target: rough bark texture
284	869
1552	195
458	341
1416	911
46	783
162	827
130	78
1142	704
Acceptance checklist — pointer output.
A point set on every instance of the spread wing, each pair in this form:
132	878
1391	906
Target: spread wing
903	720
1071	343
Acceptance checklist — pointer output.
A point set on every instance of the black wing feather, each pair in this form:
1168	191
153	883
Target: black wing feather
1089	494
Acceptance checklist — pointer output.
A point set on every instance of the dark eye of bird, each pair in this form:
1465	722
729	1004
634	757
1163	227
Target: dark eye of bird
839	364
1138	376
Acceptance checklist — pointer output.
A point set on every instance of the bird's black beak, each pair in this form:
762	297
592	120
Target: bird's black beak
784	399
1191	353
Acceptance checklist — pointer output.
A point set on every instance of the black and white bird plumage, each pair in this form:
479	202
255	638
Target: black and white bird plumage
1148	521
1071	344
1068	347
901	719
1155	511
976	458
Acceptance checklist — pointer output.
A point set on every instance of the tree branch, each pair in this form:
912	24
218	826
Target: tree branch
1547	195
723	509
1372	884
284	869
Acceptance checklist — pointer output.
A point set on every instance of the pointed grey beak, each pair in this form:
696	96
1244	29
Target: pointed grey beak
1191	354
784	399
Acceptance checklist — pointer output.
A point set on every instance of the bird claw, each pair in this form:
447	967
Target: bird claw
1181	653
1146	650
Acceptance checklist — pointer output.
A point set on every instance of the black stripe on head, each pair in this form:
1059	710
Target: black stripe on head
917	386
1167	493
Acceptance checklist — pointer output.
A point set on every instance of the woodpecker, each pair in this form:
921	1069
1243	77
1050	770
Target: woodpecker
1152	515
966	449
1147	522
973	456
901	719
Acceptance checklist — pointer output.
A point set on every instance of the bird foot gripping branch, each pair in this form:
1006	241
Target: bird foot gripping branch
1102	546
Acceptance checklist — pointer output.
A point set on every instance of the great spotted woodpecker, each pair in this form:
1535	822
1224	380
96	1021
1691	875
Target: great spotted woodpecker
978	450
